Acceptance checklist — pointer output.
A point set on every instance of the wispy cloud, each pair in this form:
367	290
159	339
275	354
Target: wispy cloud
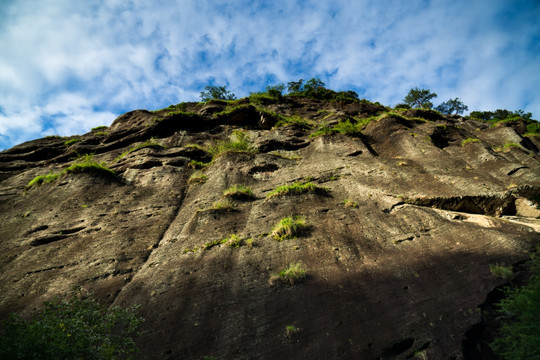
67	67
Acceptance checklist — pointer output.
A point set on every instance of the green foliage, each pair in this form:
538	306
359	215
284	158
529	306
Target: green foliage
78	328
275	91
194	164
238	143
419	98
343	127
350	203
223	206
502	115
99	128
448	107
509	145
197	178
533	128
315	88
212	92
295	121
42	179
290	331
172	108
295	86
519	312
234	241
239	192
297	189
402	107
71	142
289	228
469	140
86	163
272	93
501	271
293	274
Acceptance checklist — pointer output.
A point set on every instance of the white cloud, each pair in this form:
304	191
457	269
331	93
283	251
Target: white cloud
74	64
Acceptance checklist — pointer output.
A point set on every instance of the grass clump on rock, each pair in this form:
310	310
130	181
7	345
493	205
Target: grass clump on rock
86	163
298	189
42	179
239	192
469	140
293	274
197	178
239	143
289	228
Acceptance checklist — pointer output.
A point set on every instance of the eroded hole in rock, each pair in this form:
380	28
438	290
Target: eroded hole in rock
513	171
263	168
37	229
356	153
483	205
47	239
72	230
439	140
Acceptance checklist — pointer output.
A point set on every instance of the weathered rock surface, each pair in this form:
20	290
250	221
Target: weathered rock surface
402	272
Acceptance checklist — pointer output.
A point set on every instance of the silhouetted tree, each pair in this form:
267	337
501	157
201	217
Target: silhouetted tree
419	98
216	92
452	105
295	86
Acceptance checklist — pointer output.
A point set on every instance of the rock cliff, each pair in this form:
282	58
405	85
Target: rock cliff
404	215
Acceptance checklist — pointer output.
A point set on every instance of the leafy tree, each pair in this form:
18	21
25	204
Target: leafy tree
313	84
217	93
501	114
520	313
523	114
419	98
275	91
448	107
295	86
349	94
75	329
482	115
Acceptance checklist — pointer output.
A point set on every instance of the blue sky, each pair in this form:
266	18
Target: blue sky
67	66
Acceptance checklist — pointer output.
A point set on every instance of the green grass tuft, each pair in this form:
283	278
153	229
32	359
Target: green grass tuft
239	192
42	179
197	178
238	144
289	228
469	140
297	189
71	142
294	273
86	163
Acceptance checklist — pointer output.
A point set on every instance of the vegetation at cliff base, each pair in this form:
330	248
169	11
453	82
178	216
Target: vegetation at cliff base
519	312
78	328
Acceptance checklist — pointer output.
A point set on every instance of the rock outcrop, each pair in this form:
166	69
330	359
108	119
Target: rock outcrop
397	251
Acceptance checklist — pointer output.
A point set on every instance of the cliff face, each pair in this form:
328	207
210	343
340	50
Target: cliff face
397	249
